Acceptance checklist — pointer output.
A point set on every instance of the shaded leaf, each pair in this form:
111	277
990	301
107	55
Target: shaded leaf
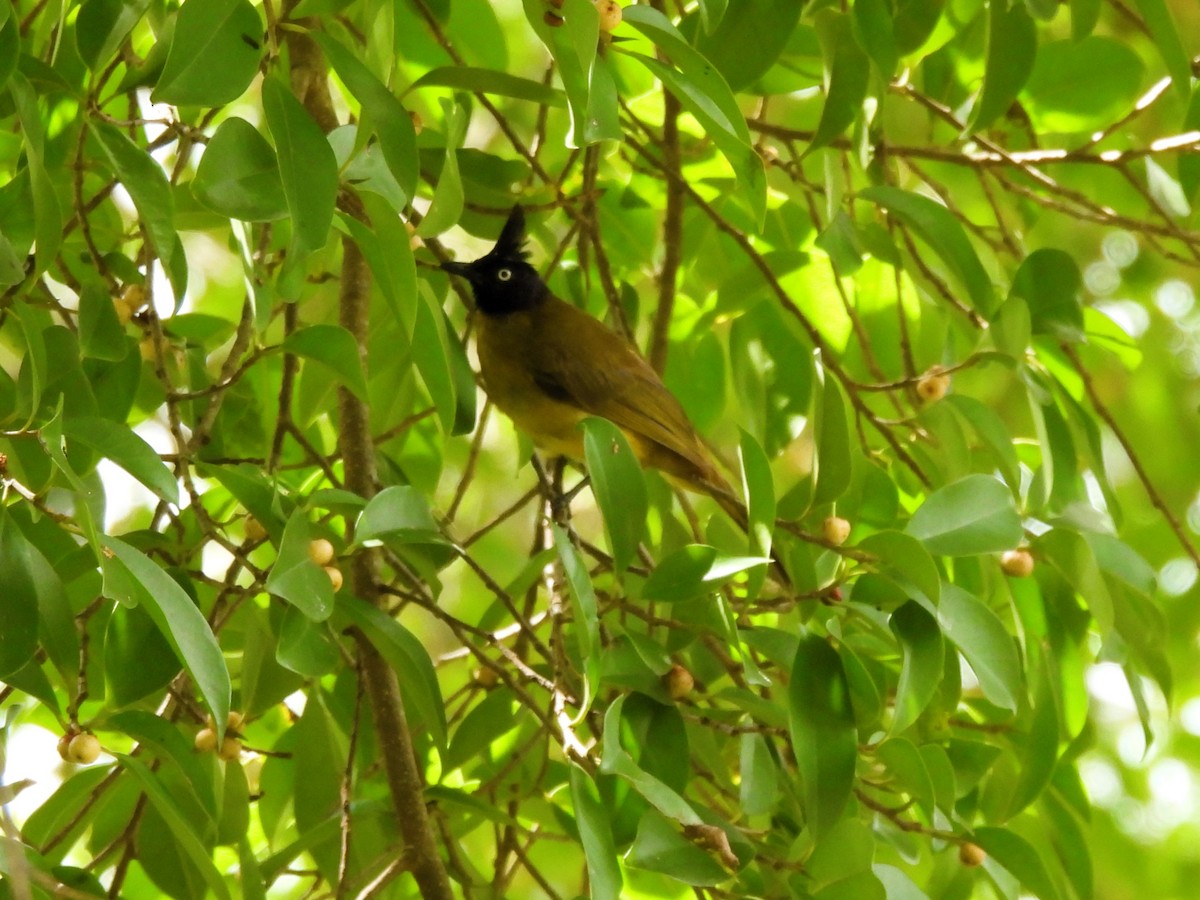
132	578
824	736
618	485
238	175
122	446
334	348
215	50
972	515
307	166
295	577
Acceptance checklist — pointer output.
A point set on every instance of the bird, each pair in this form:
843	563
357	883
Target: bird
548	365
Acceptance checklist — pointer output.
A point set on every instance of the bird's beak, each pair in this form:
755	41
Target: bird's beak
458	268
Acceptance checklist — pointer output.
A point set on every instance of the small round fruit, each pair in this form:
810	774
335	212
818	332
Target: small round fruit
206	740
231	749
146	350
254	530
64	743
235	720
1017	563
417	122
610	14
83	749
933	385
679	682
486	678
836	530
971	855
320	551
335	577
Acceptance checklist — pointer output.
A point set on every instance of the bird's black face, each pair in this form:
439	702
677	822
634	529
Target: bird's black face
502	281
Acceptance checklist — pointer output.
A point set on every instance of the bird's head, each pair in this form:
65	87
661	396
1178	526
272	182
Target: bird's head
502	281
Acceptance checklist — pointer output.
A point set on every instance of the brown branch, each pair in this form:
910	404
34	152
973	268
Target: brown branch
1105	413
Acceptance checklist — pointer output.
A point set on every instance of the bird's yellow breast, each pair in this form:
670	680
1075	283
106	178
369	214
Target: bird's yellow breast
504	343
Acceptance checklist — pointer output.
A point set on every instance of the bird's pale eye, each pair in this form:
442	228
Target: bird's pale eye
504	274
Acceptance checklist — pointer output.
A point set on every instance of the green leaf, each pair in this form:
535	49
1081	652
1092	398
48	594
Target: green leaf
906	562
758	486
167	742
986	644
238	175
831	453
488	721
102	26
847	74
408	657
1049	281
186	838
595	833
758	790
619	487
873	29
447	205
129	451
101	335
824	736
1076	85
132	578
295	578
400	513
1084	16
702	91
661	847
138	659
19	636
215	51
845	851
921	669
489	81
1166	39
443	365
382	111
749	39
47	215
938	228
334	348
993	432
616	761
906	765
972	515
1038	749
695	571
1016	855
586	612
1070	554
307	166
1011	50
147	185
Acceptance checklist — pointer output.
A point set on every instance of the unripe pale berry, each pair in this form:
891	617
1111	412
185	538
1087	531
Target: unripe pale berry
83	749
1017	563
320	551
254	530
971	855
335	577
933	385
836	530
679	682
231	749
610	14
206	740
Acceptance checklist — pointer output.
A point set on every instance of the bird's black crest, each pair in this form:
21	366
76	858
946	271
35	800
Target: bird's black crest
511	243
